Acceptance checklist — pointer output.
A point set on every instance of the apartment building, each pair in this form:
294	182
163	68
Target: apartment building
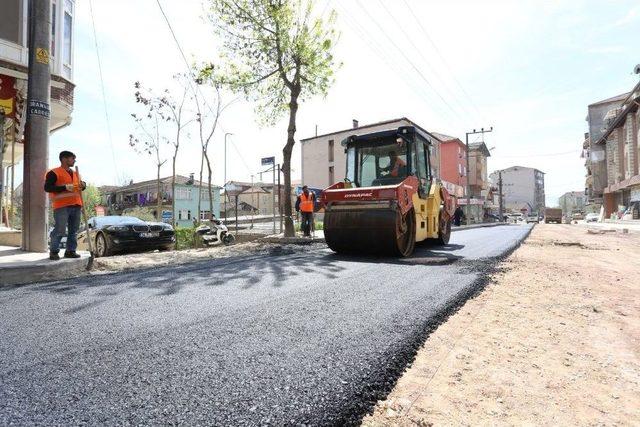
14	59
453	159
323	156
120	200
572	202
620	142
522	189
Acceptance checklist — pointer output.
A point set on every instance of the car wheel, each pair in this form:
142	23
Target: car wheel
165	248
102	247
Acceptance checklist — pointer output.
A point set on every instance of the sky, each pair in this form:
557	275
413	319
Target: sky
527	68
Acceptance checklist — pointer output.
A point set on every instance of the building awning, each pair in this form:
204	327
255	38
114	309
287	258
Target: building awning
622	185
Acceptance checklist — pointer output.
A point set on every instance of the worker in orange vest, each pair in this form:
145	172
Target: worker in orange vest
63	186
395	163
304	205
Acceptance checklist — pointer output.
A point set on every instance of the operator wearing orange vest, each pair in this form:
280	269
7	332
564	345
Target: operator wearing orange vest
304	205
395	163
63	186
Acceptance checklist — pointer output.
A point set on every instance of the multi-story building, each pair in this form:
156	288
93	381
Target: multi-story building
13	74
522	189
324	160
572	202
599	114
453	159
188	193
256	198
620	141
478	174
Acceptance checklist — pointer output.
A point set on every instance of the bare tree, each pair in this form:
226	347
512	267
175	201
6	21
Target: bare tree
148	138
207	117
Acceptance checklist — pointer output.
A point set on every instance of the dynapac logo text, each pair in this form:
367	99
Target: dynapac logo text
358	195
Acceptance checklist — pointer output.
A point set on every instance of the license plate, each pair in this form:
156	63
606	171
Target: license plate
149	234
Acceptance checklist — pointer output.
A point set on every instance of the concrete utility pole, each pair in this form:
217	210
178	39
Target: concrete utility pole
226	197
273	198
468	189
36	150
500	205
2	183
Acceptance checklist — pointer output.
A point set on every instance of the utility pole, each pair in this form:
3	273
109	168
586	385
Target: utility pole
500	205
468	189
273	197
253	203
279	198
226	197
36	150
2	183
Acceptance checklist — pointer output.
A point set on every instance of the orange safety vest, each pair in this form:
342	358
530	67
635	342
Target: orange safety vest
396	168
306	202
65	198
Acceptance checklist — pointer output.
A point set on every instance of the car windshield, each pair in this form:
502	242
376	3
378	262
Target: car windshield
102	221
380	163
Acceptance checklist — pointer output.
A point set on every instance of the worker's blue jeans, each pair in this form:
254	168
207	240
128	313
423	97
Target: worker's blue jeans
67	220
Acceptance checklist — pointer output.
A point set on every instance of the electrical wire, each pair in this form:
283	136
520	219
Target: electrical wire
104	96
409	61
426	61
376	48
444	61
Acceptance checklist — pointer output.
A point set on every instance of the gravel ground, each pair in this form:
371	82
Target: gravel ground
282	337
553	340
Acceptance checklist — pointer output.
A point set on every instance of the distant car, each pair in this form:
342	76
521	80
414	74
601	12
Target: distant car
577	216
592	217
111	234
532	218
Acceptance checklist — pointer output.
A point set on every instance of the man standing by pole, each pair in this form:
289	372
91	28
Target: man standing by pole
304	205
63	186
36	154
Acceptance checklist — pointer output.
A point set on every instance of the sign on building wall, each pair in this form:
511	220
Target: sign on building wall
635	194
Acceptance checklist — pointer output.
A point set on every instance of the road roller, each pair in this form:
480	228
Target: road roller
389	199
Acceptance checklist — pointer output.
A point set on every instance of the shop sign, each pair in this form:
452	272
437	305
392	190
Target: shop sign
635	194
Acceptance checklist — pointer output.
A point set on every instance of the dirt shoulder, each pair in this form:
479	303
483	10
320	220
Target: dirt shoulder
553	339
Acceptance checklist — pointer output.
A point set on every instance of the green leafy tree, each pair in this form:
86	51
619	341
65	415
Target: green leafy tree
277	53
92	198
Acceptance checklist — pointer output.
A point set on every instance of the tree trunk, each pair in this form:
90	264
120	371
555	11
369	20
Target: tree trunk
199	186
159	204
206	156
289	230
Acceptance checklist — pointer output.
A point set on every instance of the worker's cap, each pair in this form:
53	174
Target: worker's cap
66	154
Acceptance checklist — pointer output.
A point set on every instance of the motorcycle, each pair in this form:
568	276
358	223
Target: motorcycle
215	233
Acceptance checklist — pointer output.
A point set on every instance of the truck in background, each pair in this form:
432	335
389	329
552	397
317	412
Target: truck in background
553	215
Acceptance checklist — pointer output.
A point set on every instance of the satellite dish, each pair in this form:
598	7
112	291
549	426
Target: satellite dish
636	69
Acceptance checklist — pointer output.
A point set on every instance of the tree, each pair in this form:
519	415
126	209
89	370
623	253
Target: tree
148	138
92	198
277	54
207	118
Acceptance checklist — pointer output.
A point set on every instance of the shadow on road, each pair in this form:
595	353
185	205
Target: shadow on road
246	271
426	253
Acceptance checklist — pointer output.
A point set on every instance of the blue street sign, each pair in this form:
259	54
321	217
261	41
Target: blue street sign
268	161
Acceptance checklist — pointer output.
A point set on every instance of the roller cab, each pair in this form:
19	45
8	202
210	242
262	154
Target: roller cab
389	199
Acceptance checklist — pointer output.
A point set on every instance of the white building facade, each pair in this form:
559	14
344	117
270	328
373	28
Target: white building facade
522	189
324	160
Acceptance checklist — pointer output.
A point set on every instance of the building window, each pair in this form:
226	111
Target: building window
183	194
184	214
68	27
205	215
11	22
331	147
331	175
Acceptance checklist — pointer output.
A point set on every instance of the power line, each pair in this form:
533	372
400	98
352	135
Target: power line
444	61
408	79
104	96
398	49
419	52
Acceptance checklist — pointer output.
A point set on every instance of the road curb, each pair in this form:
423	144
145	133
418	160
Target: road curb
41	271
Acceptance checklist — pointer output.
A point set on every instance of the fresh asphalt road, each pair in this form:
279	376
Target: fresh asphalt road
288	338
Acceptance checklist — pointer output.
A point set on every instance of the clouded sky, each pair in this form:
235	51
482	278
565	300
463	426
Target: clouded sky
527	68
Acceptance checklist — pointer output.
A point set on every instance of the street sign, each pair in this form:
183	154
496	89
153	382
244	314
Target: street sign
266	161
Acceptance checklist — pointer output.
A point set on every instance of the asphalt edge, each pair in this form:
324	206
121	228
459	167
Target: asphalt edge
379	386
